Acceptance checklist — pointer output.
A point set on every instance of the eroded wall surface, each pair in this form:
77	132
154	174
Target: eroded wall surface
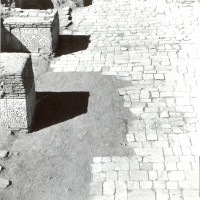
31	31
18	99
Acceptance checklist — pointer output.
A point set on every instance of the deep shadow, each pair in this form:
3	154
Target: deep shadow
34	4
87	3
56	107
69	44
6	2
65	151
9	43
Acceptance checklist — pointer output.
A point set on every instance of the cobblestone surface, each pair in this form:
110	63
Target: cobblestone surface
155	46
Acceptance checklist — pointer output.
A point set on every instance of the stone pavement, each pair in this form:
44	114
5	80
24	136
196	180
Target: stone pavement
156	46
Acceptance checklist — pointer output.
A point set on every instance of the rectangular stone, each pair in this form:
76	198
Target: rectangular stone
172	185
159	184
132	185
96	188
138	175
148	151
144	194
162	194
153	159
176	175
35	34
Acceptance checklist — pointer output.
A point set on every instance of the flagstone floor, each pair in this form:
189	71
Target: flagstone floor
155	45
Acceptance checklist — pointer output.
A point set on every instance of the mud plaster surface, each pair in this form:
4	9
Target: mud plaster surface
54	162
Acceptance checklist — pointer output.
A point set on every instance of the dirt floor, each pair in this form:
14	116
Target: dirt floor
53	162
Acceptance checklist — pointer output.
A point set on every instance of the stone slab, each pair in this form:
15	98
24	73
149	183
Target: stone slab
32	33
12	63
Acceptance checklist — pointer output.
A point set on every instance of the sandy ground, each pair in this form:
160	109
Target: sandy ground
54	161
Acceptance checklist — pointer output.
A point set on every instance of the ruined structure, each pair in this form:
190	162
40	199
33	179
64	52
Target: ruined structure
17	91
31	31
43	4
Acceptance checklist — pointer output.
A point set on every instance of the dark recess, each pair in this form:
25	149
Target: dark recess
70	44
87	3
57	107
34	4
8	47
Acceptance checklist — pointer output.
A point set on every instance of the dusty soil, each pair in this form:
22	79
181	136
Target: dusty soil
54	161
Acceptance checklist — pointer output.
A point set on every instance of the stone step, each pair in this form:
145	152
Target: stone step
4	183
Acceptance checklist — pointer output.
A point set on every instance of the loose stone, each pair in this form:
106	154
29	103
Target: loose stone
4	183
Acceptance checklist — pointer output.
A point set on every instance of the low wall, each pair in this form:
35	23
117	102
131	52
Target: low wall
31	31
43	4
18	100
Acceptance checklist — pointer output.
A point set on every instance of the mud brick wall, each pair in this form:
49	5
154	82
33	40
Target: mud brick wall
42	4
31	31
18	98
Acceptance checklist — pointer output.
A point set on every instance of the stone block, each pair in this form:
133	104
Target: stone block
18	98
142	195
32	34
108	188
4	183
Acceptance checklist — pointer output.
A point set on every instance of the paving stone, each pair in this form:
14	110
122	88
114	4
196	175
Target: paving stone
153	159
148	151
141	195
191	175
124	166
189	185
140	137
170	159
172	185
106	159
175	194
121	195
183	166
111	176
130	137
171	166
168	151
162	194
158	166
152	45
99	177
153	175
162	175
123	176
138	175
110	166
146	166
121	185
96	188
97	159
132	185
191	194
97	167
177	151
176	175
159	184
146	184
108	188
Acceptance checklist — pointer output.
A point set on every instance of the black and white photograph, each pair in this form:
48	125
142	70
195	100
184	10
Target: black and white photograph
100	100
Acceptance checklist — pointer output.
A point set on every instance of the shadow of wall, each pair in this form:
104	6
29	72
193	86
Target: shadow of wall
34	4
87	3
10	43
57	107
72	43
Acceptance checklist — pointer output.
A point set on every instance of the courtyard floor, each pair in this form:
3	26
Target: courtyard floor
135	66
